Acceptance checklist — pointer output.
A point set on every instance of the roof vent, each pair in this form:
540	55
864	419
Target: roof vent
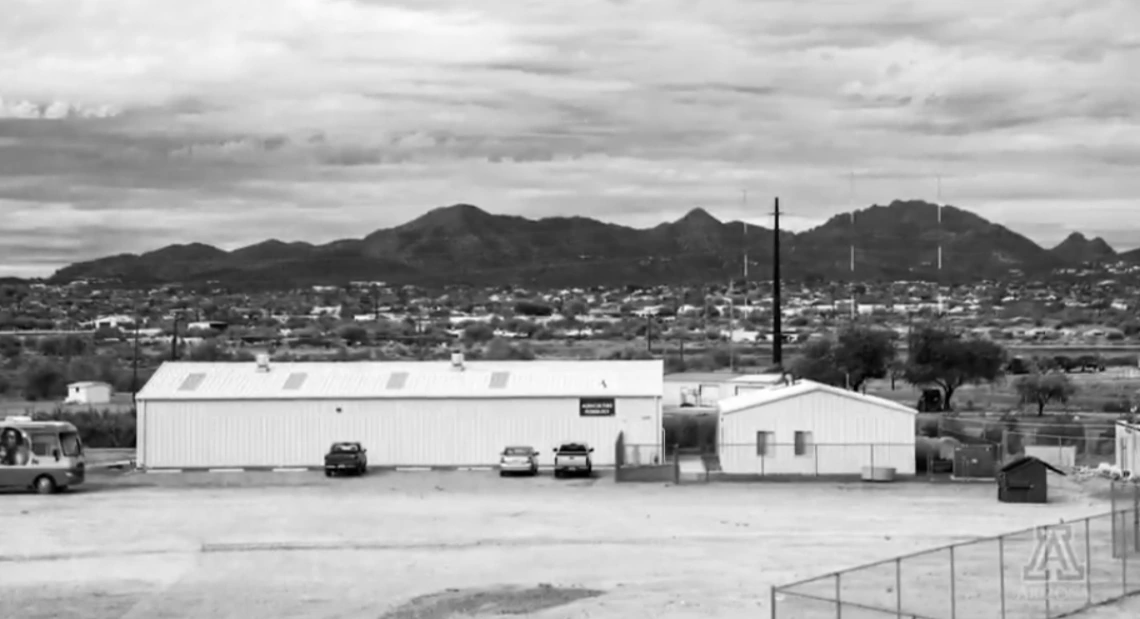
397	380
457	360
294	381
192	381
262	362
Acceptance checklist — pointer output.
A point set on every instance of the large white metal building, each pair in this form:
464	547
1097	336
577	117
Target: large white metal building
447	413
808	428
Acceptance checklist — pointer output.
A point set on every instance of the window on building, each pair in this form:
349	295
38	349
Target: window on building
762	443
803	443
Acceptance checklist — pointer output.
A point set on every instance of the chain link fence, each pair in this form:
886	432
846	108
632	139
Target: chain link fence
1046	572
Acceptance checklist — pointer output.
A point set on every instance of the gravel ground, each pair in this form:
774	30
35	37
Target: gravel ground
467	544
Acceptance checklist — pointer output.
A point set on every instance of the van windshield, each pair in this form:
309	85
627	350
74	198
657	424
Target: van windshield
70	445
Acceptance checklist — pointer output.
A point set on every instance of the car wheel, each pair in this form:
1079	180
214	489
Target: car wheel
45	484
328	473
557	474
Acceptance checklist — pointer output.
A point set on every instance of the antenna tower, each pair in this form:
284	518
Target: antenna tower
851	207
941	308
777	330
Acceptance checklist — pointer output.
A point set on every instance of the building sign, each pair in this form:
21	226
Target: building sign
596	407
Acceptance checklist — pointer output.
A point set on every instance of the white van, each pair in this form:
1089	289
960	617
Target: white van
46	456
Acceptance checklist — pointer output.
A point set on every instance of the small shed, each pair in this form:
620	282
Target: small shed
1025	480
88	392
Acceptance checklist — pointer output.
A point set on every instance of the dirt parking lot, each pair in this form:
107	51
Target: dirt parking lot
464	544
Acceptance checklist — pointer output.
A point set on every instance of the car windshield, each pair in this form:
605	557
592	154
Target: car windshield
70	445
573	448
345	448
517	451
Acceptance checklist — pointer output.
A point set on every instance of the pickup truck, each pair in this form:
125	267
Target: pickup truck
346	458
571	458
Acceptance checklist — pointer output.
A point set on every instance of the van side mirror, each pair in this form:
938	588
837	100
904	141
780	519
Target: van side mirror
55	454
591	450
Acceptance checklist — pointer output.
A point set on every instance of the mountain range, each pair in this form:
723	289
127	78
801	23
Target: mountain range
464	244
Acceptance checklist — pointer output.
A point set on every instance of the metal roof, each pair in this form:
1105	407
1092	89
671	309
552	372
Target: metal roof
752	399
187	380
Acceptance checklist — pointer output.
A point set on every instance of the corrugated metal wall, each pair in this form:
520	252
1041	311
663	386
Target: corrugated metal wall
847	434
395	432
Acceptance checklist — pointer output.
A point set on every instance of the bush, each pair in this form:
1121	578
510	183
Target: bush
98	429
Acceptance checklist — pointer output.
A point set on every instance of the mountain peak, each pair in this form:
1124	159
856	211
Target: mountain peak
698	217
1077	248
456	216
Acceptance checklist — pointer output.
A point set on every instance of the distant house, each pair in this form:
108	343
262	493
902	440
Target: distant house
112	322
207	325
88	392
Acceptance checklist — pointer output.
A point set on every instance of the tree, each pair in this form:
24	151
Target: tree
945	359
817	361
858	354
864	353
1040	389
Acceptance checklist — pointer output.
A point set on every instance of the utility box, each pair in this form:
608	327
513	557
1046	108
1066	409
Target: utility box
976	462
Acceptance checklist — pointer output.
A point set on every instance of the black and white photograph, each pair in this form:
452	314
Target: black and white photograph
619	309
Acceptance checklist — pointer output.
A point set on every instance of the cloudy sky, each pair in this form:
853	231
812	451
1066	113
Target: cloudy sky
126	125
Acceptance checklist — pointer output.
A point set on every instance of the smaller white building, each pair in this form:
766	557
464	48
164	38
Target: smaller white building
1128	446
88	392
808	428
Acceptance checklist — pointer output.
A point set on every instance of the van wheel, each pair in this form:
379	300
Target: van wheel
44	484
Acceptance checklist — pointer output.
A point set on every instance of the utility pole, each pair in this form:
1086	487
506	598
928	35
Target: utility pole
648	332
174	338
135	362
375	303
777	331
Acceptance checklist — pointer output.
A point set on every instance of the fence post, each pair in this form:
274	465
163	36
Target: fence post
953	588
1088	562
1045	562
1136	517
1112	513
815	458
898	587
838	597
872	446
1001	573
772	603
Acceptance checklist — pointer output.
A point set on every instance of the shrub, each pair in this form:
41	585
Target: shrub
98	429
